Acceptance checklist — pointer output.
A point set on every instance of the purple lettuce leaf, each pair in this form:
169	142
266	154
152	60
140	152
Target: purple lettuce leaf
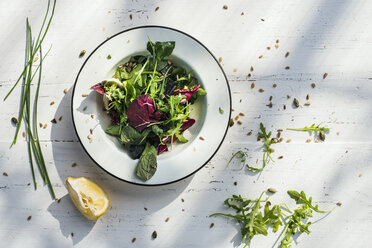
162	148
186	92
142	112
98	88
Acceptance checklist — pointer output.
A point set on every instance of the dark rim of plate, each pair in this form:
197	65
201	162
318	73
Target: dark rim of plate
73	93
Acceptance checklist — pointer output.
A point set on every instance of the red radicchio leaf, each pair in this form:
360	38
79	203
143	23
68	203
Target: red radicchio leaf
186	92
142	112
115	118
99	88
185	125
162	148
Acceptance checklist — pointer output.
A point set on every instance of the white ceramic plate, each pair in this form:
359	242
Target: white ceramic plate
184	159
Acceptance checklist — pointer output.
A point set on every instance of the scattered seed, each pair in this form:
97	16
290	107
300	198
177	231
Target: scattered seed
59	200
232	110
316	141
270	98
145	208
92	116
231	123
307	97
74	165
211	225
235	183
182	200
90	138
325	75
307	103
240	122
85	108
154	235
280	157
91	131
84	95
268	48
242	13
339	203
281	139
252	85
157	8
284	107
288	140
258	138
261	90
277	41
274	85
225	7
41	124
360	175
130	16
286	55
262	19
109	56
235	70
287	68
288	97
54	121
65	91
202	138
60	118
72	234
276	46
167	219
24	134
313	85
241	114
308	140
236	117
272	190
220	59
29	218
249	133
296	102
321	135
252	69
82	53
249	75
14	120
270	105
260	57
5	174
52	102
133	240
338	133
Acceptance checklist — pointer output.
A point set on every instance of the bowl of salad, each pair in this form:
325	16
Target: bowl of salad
151	105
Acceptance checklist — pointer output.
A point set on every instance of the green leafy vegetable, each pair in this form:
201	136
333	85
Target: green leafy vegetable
129	135
267	150
147	164
255	220
160	50
113	129
33	47
311	129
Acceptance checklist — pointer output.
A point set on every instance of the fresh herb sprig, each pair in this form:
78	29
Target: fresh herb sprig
32	49
267	150
255	220
311	128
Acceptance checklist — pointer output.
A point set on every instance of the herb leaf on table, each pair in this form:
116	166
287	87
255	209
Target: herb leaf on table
147	163
311	128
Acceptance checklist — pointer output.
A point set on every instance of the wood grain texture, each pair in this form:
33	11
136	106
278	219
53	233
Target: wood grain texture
332	36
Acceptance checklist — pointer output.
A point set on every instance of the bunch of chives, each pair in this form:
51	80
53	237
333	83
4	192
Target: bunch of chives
30	117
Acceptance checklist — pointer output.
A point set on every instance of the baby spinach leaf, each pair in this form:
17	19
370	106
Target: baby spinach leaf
147	163
160	50
131	136
113	129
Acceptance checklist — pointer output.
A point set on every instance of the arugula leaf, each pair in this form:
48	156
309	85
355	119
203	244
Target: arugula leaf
147	163
180	137
157	130
300	198
311	129
129	135
160	50
113	129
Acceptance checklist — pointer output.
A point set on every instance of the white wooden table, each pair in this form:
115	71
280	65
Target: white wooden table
332	36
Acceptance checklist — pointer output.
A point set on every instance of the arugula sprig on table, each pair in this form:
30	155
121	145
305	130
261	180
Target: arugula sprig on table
267	150
311	128
255	220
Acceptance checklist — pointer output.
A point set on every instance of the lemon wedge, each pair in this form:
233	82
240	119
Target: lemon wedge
88	197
